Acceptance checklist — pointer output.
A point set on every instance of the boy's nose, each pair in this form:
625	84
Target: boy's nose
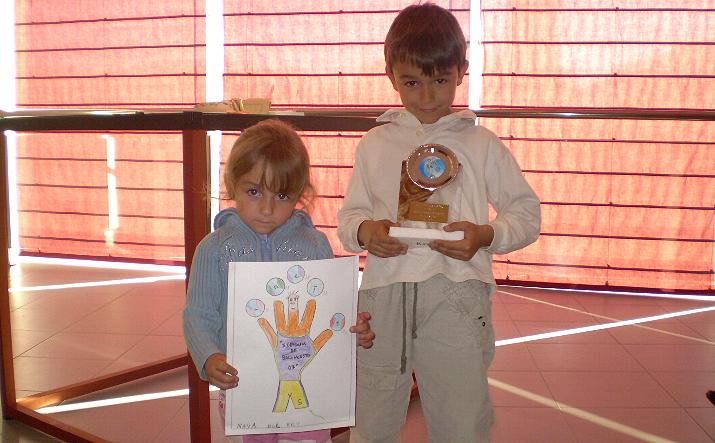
427	94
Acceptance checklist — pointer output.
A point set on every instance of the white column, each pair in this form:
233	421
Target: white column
8	103
476	54
8	97
112	200
214	89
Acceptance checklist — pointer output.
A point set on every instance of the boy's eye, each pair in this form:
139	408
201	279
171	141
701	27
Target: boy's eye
441	81
411	83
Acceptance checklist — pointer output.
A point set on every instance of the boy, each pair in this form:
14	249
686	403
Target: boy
442	293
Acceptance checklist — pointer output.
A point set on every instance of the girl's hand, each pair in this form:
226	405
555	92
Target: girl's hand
220	373
475	237
365	336
373	236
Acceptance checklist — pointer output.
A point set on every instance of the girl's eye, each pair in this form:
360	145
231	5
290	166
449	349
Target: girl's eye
282	197
252	192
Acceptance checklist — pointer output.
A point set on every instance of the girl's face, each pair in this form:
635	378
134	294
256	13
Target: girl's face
262	210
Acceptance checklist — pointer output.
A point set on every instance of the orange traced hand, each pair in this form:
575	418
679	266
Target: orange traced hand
294	328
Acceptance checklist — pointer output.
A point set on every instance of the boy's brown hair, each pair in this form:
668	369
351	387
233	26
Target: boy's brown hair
279	151
427	36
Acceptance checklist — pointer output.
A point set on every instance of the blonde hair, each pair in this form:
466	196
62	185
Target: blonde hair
279	151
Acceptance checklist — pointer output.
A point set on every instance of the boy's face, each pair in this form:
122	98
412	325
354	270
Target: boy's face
262	210
428	98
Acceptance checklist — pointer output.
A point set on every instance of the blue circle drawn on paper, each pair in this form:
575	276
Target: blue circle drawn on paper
337	323
255	307
295	274
315	287
275	286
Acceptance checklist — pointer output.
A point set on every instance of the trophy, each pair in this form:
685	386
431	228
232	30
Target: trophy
429	168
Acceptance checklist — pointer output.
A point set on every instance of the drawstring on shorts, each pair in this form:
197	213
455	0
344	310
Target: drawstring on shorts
403	358
414	311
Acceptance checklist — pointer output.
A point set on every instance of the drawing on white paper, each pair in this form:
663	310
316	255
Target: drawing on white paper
293	348
293	313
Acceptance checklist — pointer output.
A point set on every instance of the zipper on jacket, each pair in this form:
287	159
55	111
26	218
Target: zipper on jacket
266	253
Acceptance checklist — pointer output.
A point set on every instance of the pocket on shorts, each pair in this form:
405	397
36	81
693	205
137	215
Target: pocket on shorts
380	378
471	299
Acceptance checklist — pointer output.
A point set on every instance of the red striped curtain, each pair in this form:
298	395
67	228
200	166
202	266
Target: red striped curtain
627	203
306	54
105	55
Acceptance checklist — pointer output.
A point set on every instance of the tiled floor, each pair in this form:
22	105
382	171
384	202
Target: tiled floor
619	383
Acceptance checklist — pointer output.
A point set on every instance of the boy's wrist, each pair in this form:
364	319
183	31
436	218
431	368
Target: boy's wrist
488	236
362	242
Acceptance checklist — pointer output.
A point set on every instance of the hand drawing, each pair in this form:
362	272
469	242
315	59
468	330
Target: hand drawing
293	349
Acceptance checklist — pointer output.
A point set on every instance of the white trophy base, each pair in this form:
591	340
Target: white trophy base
420	237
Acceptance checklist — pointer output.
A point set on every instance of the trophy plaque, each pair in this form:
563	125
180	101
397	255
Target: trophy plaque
428	168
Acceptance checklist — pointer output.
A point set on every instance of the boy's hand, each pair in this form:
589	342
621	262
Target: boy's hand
475	237
365	336
373	236
220	373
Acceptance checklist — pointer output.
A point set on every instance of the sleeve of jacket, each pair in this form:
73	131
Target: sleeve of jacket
202	316
357	205
518	220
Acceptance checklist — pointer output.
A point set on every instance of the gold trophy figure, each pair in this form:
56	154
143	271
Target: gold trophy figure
428	168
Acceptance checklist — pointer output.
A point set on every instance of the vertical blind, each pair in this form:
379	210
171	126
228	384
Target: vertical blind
625	203
106	55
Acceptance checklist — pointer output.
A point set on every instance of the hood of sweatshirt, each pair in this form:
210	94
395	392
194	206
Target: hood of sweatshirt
229	218
403	117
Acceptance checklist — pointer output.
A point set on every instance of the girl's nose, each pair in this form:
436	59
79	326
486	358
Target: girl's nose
266	205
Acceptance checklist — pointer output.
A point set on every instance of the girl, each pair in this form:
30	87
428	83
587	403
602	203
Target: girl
267	175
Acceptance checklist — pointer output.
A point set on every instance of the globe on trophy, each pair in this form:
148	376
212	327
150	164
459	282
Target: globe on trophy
428	168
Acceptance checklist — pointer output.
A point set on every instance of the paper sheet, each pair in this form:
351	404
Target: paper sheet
289	339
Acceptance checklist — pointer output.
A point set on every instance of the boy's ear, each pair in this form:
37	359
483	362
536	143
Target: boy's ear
391	76
461	72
